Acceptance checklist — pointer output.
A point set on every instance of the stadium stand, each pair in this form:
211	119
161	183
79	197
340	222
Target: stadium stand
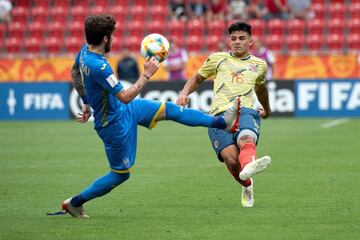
40	22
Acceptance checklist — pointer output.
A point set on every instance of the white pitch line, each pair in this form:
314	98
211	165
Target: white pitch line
334	123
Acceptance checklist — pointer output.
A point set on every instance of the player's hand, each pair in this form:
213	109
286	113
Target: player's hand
85	115
151	65
263	114
182	100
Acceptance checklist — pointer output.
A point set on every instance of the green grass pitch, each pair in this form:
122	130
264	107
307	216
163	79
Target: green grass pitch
178	189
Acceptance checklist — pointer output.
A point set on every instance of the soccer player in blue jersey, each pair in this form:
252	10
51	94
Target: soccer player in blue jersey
117	113
237	74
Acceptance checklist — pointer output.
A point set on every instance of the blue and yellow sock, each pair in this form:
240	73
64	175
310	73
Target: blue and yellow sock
100	187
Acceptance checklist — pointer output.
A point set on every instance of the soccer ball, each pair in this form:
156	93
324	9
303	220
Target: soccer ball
155	45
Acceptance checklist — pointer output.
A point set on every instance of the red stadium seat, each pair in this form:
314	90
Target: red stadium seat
58	14
354	10
61	3
41	3
159	12
295	27
120	29
257	27
78	13
196	27
136	28
16	30
73	44
36	29
294	42
274	42
353	25
55	29
53	45
318	1
81	3
216	28
105	4
353	41
314	42
32	45
212	43
23	3
20	14
315	26
276	26
138	13
176	28
132	43
119	12
95	10
156	27
336	26
337	10
76	29
122	3
335	42
161	2
319	10
194	43
142	3
117	44
39	14
13	45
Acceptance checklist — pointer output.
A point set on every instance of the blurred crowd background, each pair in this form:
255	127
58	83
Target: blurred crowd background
53	29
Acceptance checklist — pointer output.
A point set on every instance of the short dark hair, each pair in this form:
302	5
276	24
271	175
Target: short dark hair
97	27
240	26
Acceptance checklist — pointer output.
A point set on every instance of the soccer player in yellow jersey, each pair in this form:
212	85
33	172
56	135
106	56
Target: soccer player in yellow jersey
237	76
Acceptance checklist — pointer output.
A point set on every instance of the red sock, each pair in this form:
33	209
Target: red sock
235	174
247	154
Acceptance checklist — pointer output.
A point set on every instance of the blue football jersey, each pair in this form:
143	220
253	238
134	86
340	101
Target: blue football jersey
101	86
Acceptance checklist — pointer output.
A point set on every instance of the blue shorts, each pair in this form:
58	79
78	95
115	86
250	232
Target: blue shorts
120	137
220	139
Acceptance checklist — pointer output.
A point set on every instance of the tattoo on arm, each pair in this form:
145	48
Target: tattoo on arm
77	80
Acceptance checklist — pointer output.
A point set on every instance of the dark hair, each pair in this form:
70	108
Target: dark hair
97	27
240	26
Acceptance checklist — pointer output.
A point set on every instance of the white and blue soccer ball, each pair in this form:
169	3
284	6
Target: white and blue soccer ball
155	45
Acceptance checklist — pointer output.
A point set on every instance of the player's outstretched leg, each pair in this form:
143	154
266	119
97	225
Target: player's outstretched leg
98	188
192	117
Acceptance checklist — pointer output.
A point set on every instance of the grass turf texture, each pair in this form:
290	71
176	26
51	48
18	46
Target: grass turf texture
178	189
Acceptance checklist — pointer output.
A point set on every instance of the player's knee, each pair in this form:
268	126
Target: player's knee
231	161
246	136
172	110
120	178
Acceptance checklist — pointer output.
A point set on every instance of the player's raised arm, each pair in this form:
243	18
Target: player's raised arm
191	85
263	97
151	65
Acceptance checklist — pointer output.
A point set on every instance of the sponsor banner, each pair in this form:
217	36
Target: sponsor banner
331	98
22	101
281	95
286	67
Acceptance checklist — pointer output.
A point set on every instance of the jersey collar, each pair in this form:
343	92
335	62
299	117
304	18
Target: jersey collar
244	58
95	53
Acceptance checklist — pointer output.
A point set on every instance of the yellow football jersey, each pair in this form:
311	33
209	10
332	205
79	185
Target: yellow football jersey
233	77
